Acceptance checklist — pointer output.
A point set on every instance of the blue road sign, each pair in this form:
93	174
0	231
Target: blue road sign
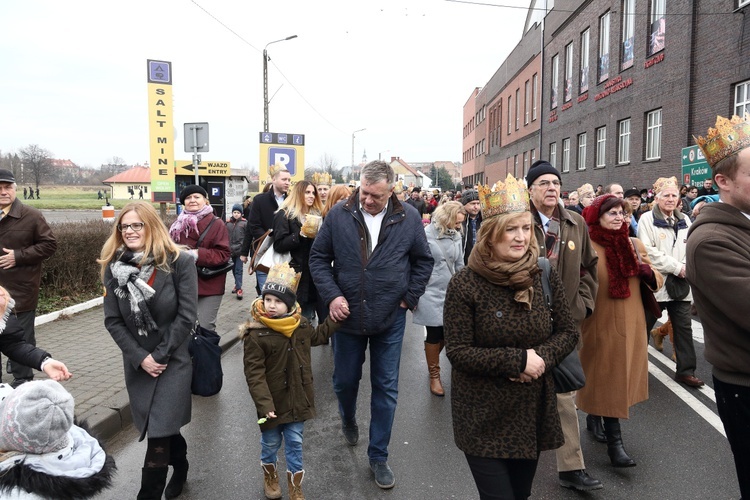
283	156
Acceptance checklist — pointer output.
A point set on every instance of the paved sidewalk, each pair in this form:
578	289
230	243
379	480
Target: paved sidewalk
98	385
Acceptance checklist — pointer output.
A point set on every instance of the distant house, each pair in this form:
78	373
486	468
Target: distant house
128	184
410	176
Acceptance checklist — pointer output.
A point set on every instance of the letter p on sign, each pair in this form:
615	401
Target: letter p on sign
283	156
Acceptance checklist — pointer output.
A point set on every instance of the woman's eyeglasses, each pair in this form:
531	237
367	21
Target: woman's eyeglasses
614	214
135	226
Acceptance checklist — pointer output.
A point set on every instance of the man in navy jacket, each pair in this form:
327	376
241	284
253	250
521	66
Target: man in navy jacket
381	266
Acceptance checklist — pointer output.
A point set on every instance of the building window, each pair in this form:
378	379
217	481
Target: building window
601	147
498	131
525	162
742	3
623	142
657	26
526	103
568	95
653	135
534	90
742	96
518	96
566	155
533	156
584	61
553	154
604	47
515	166
582	151
555	81
628	30
509	115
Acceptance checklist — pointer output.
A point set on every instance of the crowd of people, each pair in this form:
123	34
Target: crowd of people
508	279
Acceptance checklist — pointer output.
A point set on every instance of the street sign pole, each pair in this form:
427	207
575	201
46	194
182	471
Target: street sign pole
196	140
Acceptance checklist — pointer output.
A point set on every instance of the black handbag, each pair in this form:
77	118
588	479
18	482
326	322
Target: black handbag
212	272
208	375
677	288
568	374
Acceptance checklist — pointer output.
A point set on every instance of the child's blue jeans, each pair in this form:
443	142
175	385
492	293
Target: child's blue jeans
270	442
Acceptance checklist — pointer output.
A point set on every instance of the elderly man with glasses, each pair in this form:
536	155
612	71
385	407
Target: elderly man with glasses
564	239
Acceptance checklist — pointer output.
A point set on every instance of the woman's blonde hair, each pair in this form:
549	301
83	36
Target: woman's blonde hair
445	215
294	205
336	194
491	228
157	242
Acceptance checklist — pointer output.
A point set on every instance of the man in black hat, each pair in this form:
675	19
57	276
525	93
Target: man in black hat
417	202
470	201
27	240
564	239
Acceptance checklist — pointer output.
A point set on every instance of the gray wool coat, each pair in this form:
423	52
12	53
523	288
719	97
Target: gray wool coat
447	251
161	405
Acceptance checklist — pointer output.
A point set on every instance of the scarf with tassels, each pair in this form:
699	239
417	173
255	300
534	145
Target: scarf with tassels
621	261
518	275
187	222
130	275
285	324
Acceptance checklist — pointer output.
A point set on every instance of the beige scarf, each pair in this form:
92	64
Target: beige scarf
518	275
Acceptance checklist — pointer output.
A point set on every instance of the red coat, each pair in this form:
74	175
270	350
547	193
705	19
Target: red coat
214	251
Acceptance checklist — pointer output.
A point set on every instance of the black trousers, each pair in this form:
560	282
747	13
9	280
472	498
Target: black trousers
19	371
502	479
733	402
679	313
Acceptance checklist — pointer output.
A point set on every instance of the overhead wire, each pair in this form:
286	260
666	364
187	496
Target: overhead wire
571	11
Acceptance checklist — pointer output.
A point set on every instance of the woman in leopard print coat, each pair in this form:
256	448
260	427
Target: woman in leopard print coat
502	342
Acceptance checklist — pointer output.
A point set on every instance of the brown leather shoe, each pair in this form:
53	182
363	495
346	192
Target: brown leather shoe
690	380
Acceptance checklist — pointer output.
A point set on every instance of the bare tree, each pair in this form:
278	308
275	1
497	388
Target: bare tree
37	163
327	163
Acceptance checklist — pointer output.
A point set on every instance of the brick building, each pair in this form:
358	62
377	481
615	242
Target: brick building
625	84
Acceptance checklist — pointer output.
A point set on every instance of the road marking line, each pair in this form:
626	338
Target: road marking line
668	363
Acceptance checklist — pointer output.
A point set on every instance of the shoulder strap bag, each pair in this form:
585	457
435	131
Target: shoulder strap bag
212	272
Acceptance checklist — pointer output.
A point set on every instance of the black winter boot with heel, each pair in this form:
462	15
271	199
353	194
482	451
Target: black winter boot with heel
617	454
178	461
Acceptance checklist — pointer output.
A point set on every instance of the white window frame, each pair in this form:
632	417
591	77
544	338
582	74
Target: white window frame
742	96
534	90
510	106
526	103
583	84
628	25
623	142
742	3
566	154
653	134
603	44
601	147
553	154
555	79
518	95
568	70
581	165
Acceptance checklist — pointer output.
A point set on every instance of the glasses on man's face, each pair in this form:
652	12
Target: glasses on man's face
547	184
613	214
135	226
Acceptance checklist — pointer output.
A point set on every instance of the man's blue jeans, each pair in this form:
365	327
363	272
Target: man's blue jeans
261	279
270	442
385	358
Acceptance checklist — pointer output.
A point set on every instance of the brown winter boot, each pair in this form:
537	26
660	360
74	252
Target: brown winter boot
432	354
271	481
294	481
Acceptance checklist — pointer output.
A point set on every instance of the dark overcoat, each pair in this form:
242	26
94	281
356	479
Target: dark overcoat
161	405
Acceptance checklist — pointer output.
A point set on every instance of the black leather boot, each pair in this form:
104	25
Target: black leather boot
615	450
152	483
178	460
594	424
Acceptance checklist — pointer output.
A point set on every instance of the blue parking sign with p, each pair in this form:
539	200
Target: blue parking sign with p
283	156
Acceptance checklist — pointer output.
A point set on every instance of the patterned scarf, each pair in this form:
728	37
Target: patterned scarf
130	275
621	261
518	276
285	324
552	235
187	222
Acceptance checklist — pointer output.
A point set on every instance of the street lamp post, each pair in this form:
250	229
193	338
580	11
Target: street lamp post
360	130
265	80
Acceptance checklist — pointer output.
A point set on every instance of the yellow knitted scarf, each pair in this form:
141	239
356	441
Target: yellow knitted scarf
285	324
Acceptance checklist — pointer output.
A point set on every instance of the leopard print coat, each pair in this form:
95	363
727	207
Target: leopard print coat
486	337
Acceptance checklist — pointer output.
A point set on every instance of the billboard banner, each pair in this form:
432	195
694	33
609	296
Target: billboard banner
161	130
283	149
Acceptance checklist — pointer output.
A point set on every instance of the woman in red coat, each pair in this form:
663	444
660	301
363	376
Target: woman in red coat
213	251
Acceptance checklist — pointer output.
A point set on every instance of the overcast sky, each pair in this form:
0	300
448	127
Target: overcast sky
73	74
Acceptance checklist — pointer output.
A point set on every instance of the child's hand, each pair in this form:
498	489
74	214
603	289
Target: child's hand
263	420
271	414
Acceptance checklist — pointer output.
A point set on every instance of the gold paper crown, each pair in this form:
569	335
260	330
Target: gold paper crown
502	198
398	188
275	169
282	275
665	182
322	178
728	138
586	188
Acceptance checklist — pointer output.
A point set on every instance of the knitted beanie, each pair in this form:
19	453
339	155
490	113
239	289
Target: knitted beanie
36	417
237	208
192	189
469	196
539	168
284	293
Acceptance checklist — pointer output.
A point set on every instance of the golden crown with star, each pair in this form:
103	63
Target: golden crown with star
728	137
283	275
319	178
506	197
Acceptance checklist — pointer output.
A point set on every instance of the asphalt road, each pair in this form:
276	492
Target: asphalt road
673	437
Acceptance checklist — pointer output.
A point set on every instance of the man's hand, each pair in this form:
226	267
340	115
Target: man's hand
8	260
404	305
683	271
338	309
243	259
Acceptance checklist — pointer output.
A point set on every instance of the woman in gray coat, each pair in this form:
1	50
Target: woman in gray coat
150	307
444	237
